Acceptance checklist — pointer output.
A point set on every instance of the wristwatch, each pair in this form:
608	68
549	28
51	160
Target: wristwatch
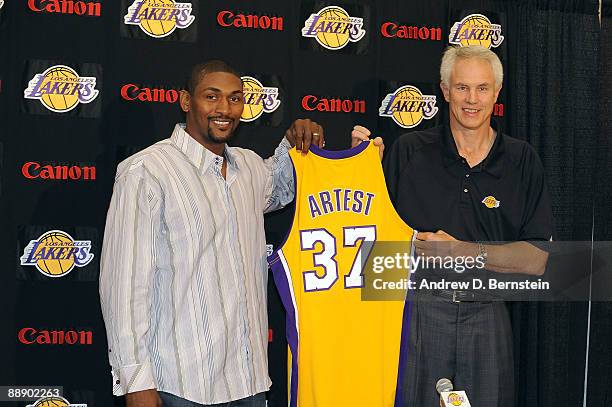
482	252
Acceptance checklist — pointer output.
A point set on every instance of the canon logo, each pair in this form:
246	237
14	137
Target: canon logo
133	92
227	18
390	29
312	102
32	170
79	8
498	109
31	336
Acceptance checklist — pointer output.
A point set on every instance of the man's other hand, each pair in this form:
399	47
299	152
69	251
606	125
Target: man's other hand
144	398
439	243
361	134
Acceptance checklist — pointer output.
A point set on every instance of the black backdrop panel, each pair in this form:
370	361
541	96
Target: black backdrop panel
322	68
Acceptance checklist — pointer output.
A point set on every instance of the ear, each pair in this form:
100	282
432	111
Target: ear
445	91
185	100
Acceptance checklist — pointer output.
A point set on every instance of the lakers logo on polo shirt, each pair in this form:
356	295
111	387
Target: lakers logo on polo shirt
490	202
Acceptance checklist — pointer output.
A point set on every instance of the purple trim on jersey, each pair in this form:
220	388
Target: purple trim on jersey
340	153
404	347
405	339
282	285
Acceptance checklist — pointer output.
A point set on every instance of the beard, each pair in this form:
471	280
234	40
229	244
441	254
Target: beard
212	133
218	139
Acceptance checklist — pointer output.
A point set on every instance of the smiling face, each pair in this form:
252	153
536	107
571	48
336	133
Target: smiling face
471	94
213	110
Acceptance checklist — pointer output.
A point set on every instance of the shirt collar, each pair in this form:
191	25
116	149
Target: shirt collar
493	163
201	157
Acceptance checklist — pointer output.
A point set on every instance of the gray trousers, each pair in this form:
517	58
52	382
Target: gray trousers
469	343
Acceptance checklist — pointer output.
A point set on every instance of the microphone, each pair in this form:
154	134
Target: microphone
450	397
444	384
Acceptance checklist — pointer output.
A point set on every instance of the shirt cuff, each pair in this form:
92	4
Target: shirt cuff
281	158
285	144
132	378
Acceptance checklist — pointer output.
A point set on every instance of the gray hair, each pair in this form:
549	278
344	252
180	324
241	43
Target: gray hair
475	51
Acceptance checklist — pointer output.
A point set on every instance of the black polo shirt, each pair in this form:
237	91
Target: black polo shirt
504	198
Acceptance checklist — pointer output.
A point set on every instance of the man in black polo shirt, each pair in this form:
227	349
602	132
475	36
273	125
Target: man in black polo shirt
466	183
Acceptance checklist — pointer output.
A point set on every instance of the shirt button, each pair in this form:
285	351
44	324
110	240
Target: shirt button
467	175
465	190
117	382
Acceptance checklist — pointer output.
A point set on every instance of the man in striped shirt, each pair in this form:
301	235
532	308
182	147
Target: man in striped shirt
183	272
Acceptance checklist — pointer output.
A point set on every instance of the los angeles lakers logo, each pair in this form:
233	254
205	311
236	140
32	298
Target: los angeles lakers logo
490	202
159	18
333	28
54	401
258	99
476	29
56	253
455	399
408	106
60	89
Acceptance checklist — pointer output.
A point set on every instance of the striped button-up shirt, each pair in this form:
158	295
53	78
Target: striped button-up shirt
183	274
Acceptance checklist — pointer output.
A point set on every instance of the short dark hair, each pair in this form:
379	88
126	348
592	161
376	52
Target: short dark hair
199	70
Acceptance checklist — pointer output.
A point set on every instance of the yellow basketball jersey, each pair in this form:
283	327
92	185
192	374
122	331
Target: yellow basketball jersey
342	351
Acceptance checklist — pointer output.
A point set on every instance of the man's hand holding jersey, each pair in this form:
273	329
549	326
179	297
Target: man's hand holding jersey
361	134
303	133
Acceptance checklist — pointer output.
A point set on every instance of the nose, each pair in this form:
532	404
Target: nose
222	106
472	96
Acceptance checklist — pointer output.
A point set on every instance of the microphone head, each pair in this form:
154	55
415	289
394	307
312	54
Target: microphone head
444	384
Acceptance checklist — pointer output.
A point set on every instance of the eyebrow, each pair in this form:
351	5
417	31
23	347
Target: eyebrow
219	90
465	84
